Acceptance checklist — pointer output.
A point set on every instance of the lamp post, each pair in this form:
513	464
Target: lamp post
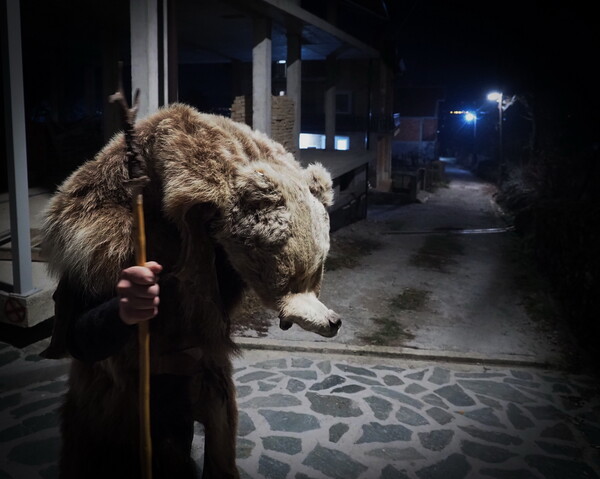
498	97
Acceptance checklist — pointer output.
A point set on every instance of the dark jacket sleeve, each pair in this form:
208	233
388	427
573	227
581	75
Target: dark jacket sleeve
97	332
86	328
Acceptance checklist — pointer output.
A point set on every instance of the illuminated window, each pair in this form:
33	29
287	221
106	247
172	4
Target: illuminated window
317	142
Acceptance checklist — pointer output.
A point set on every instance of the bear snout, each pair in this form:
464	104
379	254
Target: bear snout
335	323
309	313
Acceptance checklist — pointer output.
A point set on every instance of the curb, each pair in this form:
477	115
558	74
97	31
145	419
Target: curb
391	353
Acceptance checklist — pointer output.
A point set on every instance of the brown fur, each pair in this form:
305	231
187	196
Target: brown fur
225	207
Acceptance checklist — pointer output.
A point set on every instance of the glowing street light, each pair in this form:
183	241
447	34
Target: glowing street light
498	97
470	117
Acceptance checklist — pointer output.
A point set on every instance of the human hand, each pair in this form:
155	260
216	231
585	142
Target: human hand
138	290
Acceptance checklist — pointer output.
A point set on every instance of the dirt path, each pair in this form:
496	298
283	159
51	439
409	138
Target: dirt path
411	276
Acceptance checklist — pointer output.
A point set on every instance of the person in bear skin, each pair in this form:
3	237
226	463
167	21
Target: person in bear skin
226	209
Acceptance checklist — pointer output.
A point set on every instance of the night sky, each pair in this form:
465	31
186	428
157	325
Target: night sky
473	47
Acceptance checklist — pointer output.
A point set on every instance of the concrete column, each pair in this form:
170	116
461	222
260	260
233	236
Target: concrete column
294	82
144	54
261	76
384	140
330	91
171	48
16	150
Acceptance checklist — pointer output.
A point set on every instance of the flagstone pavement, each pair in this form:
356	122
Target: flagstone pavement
308	415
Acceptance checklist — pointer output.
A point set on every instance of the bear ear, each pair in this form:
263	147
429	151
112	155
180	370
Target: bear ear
319	183
257	186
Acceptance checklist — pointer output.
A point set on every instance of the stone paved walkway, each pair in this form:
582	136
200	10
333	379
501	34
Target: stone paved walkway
324	416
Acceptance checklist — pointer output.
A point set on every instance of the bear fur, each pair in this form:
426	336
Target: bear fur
226	208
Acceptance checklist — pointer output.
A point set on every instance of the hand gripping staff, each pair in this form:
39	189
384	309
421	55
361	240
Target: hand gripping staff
136	169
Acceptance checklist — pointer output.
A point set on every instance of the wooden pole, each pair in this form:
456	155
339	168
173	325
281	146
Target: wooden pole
137	179
144	345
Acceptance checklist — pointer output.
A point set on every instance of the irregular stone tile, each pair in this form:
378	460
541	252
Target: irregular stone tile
390	472
254	376
10	400
558	431
349	389
289	421
305	374
36	453
435	400
301	475
284	444
380	407
534	393
509	473
396	454
336	406
543	413
264	387
561	388
521	382
391	380
295	386
455	395
335	464
410	417
517	418
243	391
484	452
454	466
34	358
403	398
526	375
52	387
436	440
328	382
485	416
414	389
555	468
30	426
591	432
346	368
272	364
418	376
492	436
50	472
479	375
363	380
337	431
35	406
560	449
324	366
441	416
244	474
274	400
245	424
272	468
439	376
301	363
502	391
9	356
488	402
244	448
375	432
383	367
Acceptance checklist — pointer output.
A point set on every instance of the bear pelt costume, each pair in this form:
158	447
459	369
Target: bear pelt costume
226	208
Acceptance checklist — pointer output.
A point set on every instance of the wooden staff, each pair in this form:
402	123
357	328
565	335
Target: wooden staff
137	180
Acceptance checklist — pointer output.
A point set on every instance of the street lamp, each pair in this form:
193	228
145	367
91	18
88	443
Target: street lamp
498	97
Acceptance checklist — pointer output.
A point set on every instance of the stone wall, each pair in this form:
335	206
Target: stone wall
282	118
